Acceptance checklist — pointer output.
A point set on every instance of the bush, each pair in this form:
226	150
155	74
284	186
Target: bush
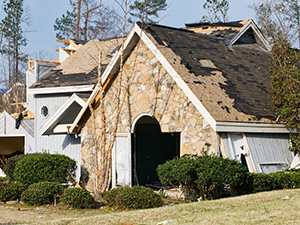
136	197
39	167
3	179
41	193
178	172
77	198
11	191
203	175
11	164
275	181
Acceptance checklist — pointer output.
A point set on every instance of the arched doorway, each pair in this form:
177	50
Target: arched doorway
151	147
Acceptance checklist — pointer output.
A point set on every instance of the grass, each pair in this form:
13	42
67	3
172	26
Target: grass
262	208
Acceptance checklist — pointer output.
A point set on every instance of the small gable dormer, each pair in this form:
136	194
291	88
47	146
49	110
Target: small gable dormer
250	34
233	33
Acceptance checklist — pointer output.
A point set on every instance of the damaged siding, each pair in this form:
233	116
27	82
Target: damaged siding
263	152
270	152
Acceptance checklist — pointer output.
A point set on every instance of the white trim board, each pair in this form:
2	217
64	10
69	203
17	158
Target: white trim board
62	109
250	127
66	89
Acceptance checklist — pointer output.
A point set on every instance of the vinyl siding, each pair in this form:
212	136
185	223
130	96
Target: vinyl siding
59	143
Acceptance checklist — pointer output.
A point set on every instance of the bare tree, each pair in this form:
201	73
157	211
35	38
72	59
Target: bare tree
279	19
103	143
88	19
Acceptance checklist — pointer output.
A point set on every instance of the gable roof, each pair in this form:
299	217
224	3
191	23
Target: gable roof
227	84
79	70
64	115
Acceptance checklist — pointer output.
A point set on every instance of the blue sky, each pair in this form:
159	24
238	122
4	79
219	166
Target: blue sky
44	12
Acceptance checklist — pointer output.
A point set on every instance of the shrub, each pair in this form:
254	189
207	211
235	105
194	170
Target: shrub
11	191
178	172
3	179
214	171
41	193
11	164
276	181
39	167
136	197
77	198
203	175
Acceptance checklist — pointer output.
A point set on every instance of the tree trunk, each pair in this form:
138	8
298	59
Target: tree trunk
77	20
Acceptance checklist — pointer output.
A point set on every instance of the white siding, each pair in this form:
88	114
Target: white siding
8	128
61	143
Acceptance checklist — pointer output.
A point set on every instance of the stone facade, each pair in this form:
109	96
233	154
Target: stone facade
149	89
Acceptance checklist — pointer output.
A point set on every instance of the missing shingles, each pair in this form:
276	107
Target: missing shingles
207	63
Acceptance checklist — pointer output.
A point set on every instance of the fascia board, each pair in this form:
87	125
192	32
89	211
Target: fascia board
250	127
12	135
84	108
62	109
255	29
117	56
52	90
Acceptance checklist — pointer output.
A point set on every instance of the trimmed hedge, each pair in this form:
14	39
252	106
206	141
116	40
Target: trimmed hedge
77	198
11	164
41	193
11	191
136	197
288	179
202	176
39	167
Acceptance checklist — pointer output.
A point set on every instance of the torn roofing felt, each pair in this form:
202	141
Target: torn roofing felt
81	67
231	82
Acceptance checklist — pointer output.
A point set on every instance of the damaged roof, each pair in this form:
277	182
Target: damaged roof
81	67
231	82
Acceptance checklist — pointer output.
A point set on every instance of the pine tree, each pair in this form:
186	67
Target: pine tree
217	10
13	38
145	9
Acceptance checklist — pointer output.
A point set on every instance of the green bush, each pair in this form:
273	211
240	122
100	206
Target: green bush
136	197
77	198
3	179
39	167
41	193
203	175
11	191
275	181
11	164
178	172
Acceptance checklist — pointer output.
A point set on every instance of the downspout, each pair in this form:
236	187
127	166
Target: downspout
218	144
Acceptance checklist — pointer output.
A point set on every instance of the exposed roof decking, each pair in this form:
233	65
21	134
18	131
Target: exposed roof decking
237	91
81	67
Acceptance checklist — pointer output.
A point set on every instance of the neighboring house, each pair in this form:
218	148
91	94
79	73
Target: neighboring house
204	87
15	139
58	91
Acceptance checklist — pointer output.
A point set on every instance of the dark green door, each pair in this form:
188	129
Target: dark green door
153	148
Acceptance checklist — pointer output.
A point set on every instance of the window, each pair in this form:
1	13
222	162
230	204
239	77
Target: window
44	111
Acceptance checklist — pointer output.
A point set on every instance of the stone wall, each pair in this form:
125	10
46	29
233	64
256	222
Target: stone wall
149	89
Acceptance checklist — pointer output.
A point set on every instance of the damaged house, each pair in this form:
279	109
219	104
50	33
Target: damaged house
201	87
58	91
